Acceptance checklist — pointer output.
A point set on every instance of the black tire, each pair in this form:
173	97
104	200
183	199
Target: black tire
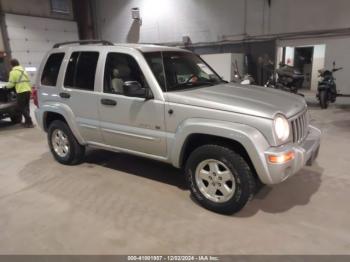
323	96
16	118
245	182
76	152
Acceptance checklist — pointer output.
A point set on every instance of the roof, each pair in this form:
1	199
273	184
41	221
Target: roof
151	48
141	47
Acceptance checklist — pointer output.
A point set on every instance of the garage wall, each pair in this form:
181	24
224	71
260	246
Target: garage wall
289	16
166	21
35	8
337	49
31	37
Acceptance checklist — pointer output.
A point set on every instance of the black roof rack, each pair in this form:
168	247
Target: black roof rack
83	42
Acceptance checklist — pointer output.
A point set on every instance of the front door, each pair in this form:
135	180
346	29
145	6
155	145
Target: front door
130	123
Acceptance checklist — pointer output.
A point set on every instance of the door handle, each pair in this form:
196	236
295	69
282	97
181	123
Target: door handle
65	95
108	102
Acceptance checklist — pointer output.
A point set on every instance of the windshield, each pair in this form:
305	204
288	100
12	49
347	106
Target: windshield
181	70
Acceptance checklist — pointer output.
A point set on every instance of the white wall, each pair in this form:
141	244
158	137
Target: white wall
318	63
223	64
209	21
338	50
31	37
289	60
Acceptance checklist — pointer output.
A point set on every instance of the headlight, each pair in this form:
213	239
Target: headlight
282	129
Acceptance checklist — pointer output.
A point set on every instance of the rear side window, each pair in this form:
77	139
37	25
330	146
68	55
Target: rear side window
51	69
81	70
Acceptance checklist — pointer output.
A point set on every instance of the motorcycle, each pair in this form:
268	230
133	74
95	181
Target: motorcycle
327	88
288	79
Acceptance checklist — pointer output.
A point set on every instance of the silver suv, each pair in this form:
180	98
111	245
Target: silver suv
167	104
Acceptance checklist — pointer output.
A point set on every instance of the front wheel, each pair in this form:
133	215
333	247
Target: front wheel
324	101
219	179
63	145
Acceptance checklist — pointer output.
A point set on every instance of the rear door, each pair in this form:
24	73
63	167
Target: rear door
79	94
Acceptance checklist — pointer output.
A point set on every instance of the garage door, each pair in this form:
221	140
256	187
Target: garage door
31	37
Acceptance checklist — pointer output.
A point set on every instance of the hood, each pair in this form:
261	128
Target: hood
245	99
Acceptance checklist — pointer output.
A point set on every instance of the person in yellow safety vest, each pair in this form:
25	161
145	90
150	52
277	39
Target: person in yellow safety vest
19	80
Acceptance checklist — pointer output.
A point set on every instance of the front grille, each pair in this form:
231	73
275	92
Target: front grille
300	127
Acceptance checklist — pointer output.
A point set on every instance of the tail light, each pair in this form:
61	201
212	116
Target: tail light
35	96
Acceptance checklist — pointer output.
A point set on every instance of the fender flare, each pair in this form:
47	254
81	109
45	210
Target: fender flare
66	113
250	138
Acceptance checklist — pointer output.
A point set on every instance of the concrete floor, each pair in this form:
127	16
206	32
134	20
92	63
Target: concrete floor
119	204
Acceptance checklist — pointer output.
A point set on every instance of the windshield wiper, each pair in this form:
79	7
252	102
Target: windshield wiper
190	85
206	83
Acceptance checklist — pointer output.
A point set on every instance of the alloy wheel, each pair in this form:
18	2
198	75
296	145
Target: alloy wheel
215	180
60	143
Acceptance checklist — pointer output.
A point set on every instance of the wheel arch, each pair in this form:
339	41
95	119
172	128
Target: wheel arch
243	139
193	141
50	113
49	117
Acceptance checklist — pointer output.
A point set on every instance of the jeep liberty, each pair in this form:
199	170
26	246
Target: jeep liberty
167	104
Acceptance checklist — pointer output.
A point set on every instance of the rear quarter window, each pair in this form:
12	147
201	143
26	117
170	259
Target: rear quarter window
52	69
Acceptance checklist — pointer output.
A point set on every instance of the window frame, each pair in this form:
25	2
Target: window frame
59	71
166	84
69	55
164	90
62	8
122	52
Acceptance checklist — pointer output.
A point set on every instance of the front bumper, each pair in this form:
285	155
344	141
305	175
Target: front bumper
304	154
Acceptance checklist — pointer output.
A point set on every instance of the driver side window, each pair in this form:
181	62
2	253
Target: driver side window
121	68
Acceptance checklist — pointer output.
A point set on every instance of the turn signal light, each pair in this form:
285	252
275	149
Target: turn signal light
281	158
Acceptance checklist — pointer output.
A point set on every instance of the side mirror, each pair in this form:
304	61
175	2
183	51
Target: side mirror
135	89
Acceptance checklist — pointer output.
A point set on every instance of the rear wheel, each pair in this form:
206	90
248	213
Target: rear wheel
16	118
219	179
324	101
63	145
